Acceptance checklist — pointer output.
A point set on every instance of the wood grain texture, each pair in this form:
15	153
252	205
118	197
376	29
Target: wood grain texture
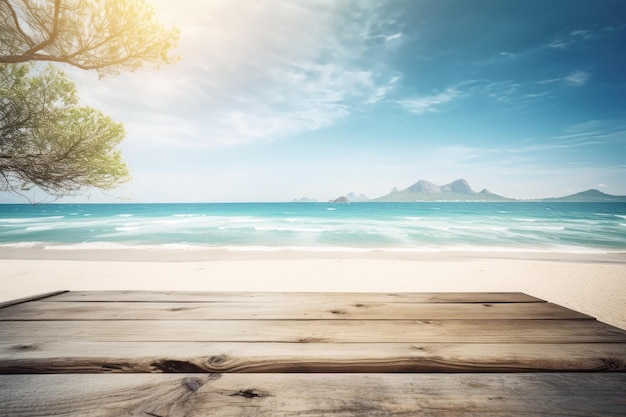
114	357
315	331
285	310
271	297
278	395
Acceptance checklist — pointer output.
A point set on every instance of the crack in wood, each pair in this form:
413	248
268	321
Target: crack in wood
249	393
180	308
310	339
614	364
171	365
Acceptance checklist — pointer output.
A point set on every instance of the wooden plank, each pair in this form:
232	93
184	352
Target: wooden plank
17	301
270	297
315	331
284	310
311	395
112	357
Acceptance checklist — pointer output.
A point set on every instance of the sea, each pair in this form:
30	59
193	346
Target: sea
420	226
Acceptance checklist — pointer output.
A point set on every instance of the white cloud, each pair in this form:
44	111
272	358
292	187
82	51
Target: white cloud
578	78
254	73
432	103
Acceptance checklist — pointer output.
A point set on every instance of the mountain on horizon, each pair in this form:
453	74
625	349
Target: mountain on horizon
458	190
589	196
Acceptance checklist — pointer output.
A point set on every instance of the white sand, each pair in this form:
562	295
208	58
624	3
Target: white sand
592	285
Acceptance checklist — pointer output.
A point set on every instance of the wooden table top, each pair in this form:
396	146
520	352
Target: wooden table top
305	354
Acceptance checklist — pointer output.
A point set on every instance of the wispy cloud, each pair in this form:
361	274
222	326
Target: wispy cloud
578	78
431	103
383	90
563	41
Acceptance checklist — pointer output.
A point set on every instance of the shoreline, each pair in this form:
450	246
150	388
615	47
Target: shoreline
594	284
199	254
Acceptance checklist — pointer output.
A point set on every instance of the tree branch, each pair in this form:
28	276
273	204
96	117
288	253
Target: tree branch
16	21
52	36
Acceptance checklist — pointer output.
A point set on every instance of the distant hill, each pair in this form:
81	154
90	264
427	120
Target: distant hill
304	200
458	190
357	198
343	200
589	196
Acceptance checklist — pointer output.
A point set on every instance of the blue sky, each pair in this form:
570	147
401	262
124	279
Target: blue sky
274	100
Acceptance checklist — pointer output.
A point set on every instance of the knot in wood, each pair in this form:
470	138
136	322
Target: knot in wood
217	359
337	311
24	348
192	384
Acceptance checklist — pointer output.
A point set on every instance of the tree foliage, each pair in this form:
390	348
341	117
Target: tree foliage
49	141
102	35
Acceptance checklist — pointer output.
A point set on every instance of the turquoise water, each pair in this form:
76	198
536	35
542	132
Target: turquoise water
565	227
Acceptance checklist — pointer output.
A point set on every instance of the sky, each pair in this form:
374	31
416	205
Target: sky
274	100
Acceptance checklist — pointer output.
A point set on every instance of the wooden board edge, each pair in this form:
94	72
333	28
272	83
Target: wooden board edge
35	297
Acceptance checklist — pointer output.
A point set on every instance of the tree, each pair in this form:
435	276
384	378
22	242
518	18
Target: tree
46	139
102	35
49	141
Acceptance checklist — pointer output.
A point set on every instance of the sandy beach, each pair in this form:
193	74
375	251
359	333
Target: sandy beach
591	284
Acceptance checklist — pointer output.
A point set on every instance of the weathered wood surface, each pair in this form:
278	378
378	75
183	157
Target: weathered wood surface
271	297
315	331
303	332
220	357
276	395
306	354
285	310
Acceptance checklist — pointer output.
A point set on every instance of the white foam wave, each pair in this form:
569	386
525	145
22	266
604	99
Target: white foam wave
30	219
21	245
313	249
127	228
121	246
